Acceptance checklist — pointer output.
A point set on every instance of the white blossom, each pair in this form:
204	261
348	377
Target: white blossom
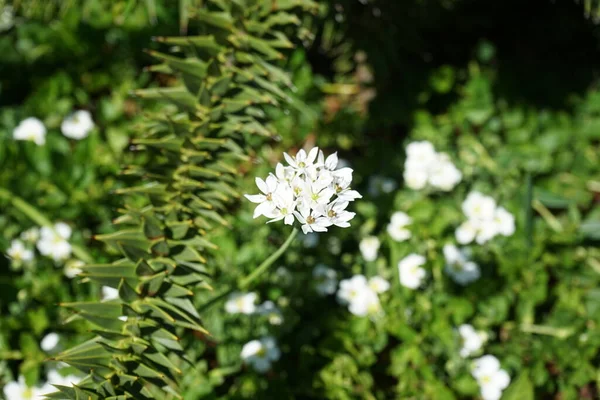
49	342
462	270
31	129
73	268
77	125
260	354
31	235
397	226
378	284
310	189
471	340
484	221
425	167
109	293
18	252
18	390
54	243
325	280
241	303
271	311
369	247
492	379
410	272
360	298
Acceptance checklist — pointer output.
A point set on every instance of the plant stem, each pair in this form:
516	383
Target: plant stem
245	282
40	219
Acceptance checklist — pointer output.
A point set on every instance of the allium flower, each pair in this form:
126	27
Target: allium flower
378	284
18	390
410	271
369	247
109	293
325	280
397	226
424	166
31	129
271	311
491	378
309	189
260	354
471	340
241	303
360	298
459	267
49	342
484	220
31	235
77	125
54	243
18	253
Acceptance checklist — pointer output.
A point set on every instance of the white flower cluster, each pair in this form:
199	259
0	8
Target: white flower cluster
410	272
361	295
260	354
75	126
245	303
471	340
458	265
18	390
310	189
492	379
49	342
369	247
484	220
51	242
397	226
426	167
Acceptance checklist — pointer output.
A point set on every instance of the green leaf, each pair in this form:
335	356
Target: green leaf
520	389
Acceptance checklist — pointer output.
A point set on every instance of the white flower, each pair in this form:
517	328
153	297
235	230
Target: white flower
20	391
325	279
271	311
466	232
31	129
491	378
310	189
18	253
311	220
369	247
458	265
397	226
77	125
109	293
265	202
484	220
504	221
360	298
49	341
378	284
410	271
241	303
73	268
425	166
260	354
31	235
479	207
54	243
471	340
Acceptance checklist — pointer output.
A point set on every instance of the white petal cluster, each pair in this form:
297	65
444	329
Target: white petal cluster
73	268
361	295
310	189
18	253
325	280
53	242
369	247
31	235
260	354
471	340
18	390
462	270
241	303
426	167
492	379
77	125
397	226
410	272
484	220
31	129
50	341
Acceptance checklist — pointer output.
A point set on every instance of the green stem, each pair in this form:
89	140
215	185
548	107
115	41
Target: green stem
40	219
244	283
